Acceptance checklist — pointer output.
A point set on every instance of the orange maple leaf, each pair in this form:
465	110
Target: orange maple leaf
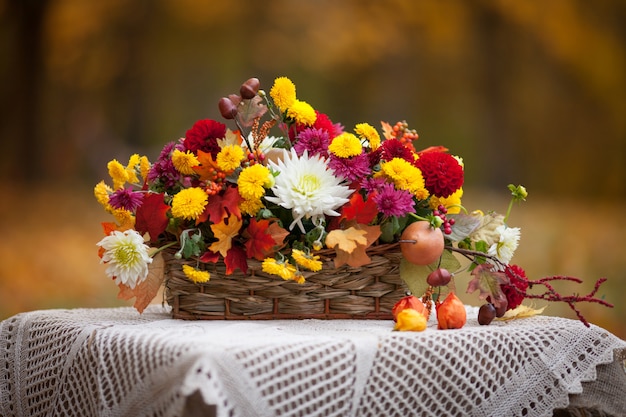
225	231
359	210
148	288
356	241
259	242
387	131
208	167
278	233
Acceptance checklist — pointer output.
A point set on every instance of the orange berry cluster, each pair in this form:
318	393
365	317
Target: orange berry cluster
405	135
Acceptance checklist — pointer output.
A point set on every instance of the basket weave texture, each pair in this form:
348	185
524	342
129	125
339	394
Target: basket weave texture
367	292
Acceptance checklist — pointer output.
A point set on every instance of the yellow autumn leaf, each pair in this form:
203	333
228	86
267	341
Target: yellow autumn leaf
225	231
357	256
521	312
346	240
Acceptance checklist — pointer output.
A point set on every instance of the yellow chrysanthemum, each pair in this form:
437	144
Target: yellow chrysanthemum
124	218
283	92
302	113
281	268
299	278
306	260
101	191
369	133
250	207
144	167
133	161
452	202
118	174
345	145
405	176
252	180
229	158
196	275
184	161
189	203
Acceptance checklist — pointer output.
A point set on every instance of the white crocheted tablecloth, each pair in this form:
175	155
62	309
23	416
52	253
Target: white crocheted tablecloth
115	362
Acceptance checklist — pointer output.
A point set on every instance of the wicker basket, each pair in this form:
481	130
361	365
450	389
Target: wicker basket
367	292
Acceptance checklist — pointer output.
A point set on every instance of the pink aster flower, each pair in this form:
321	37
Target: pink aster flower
392	202
313	140
372	185
353	168
126	199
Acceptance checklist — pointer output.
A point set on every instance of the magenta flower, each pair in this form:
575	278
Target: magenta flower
126	199
315	141
392	202
353	168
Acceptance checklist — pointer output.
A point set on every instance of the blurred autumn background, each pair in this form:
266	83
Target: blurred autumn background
527	92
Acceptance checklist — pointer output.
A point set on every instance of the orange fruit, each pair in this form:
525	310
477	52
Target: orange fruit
421	244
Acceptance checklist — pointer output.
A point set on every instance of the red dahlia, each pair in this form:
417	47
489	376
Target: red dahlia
443	174
518	285
204	135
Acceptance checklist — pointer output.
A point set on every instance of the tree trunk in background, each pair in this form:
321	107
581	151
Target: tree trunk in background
23	157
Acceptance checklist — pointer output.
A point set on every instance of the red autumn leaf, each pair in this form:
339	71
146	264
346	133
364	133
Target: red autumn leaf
359	210
207	168
151	216
259	243
433	149
236	258
488	282
210	256
145	292
223	204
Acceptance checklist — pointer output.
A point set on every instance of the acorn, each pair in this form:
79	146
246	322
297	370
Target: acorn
249	88
228	110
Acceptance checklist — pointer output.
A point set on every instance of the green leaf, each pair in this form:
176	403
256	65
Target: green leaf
464	226
415	275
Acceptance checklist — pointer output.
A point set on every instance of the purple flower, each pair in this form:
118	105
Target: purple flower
126	199
353	168
313	140
392	202
163	171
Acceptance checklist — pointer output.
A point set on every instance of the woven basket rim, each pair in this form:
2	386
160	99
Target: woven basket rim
344	292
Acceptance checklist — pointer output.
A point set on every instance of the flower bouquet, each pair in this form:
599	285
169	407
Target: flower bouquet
290	215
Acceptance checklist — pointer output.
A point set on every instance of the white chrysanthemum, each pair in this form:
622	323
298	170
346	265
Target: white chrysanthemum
126	256
307	187
505	247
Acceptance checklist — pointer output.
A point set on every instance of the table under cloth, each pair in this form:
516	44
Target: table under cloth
115	362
